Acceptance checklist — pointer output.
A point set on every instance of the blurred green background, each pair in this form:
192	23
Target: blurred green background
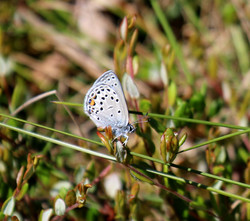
193	62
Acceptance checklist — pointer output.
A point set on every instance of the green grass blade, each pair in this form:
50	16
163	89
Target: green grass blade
216	140
224	193
58	142
190	120
172	40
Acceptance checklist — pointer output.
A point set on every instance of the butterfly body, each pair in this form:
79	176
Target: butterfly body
105	104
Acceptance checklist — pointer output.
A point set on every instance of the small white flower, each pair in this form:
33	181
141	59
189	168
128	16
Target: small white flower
5	66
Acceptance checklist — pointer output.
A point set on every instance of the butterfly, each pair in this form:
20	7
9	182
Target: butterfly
105	104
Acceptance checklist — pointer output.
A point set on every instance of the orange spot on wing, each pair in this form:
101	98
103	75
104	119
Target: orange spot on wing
91	102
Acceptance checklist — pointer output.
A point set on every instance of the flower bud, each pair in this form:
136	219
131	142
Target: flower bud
170	145
81	193
122	153
124	29
134	192
107	139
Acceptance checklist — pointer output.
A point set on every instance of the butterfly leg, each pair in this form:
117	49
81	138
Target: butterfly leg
126	141
123	143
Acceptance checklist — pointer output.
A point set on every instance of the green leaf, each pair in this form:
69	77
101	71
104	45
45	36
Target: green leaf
92	214
172	93
2	216
24	190
183	110
60	188
215	107
222	155
197	102
145	105
228	13
243	154
45	215
141	166
18	96
241	47
8	206
157	125
70	198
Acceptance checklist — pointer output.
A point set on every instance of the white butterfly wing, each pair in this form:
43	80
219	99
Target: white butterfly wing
105	103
